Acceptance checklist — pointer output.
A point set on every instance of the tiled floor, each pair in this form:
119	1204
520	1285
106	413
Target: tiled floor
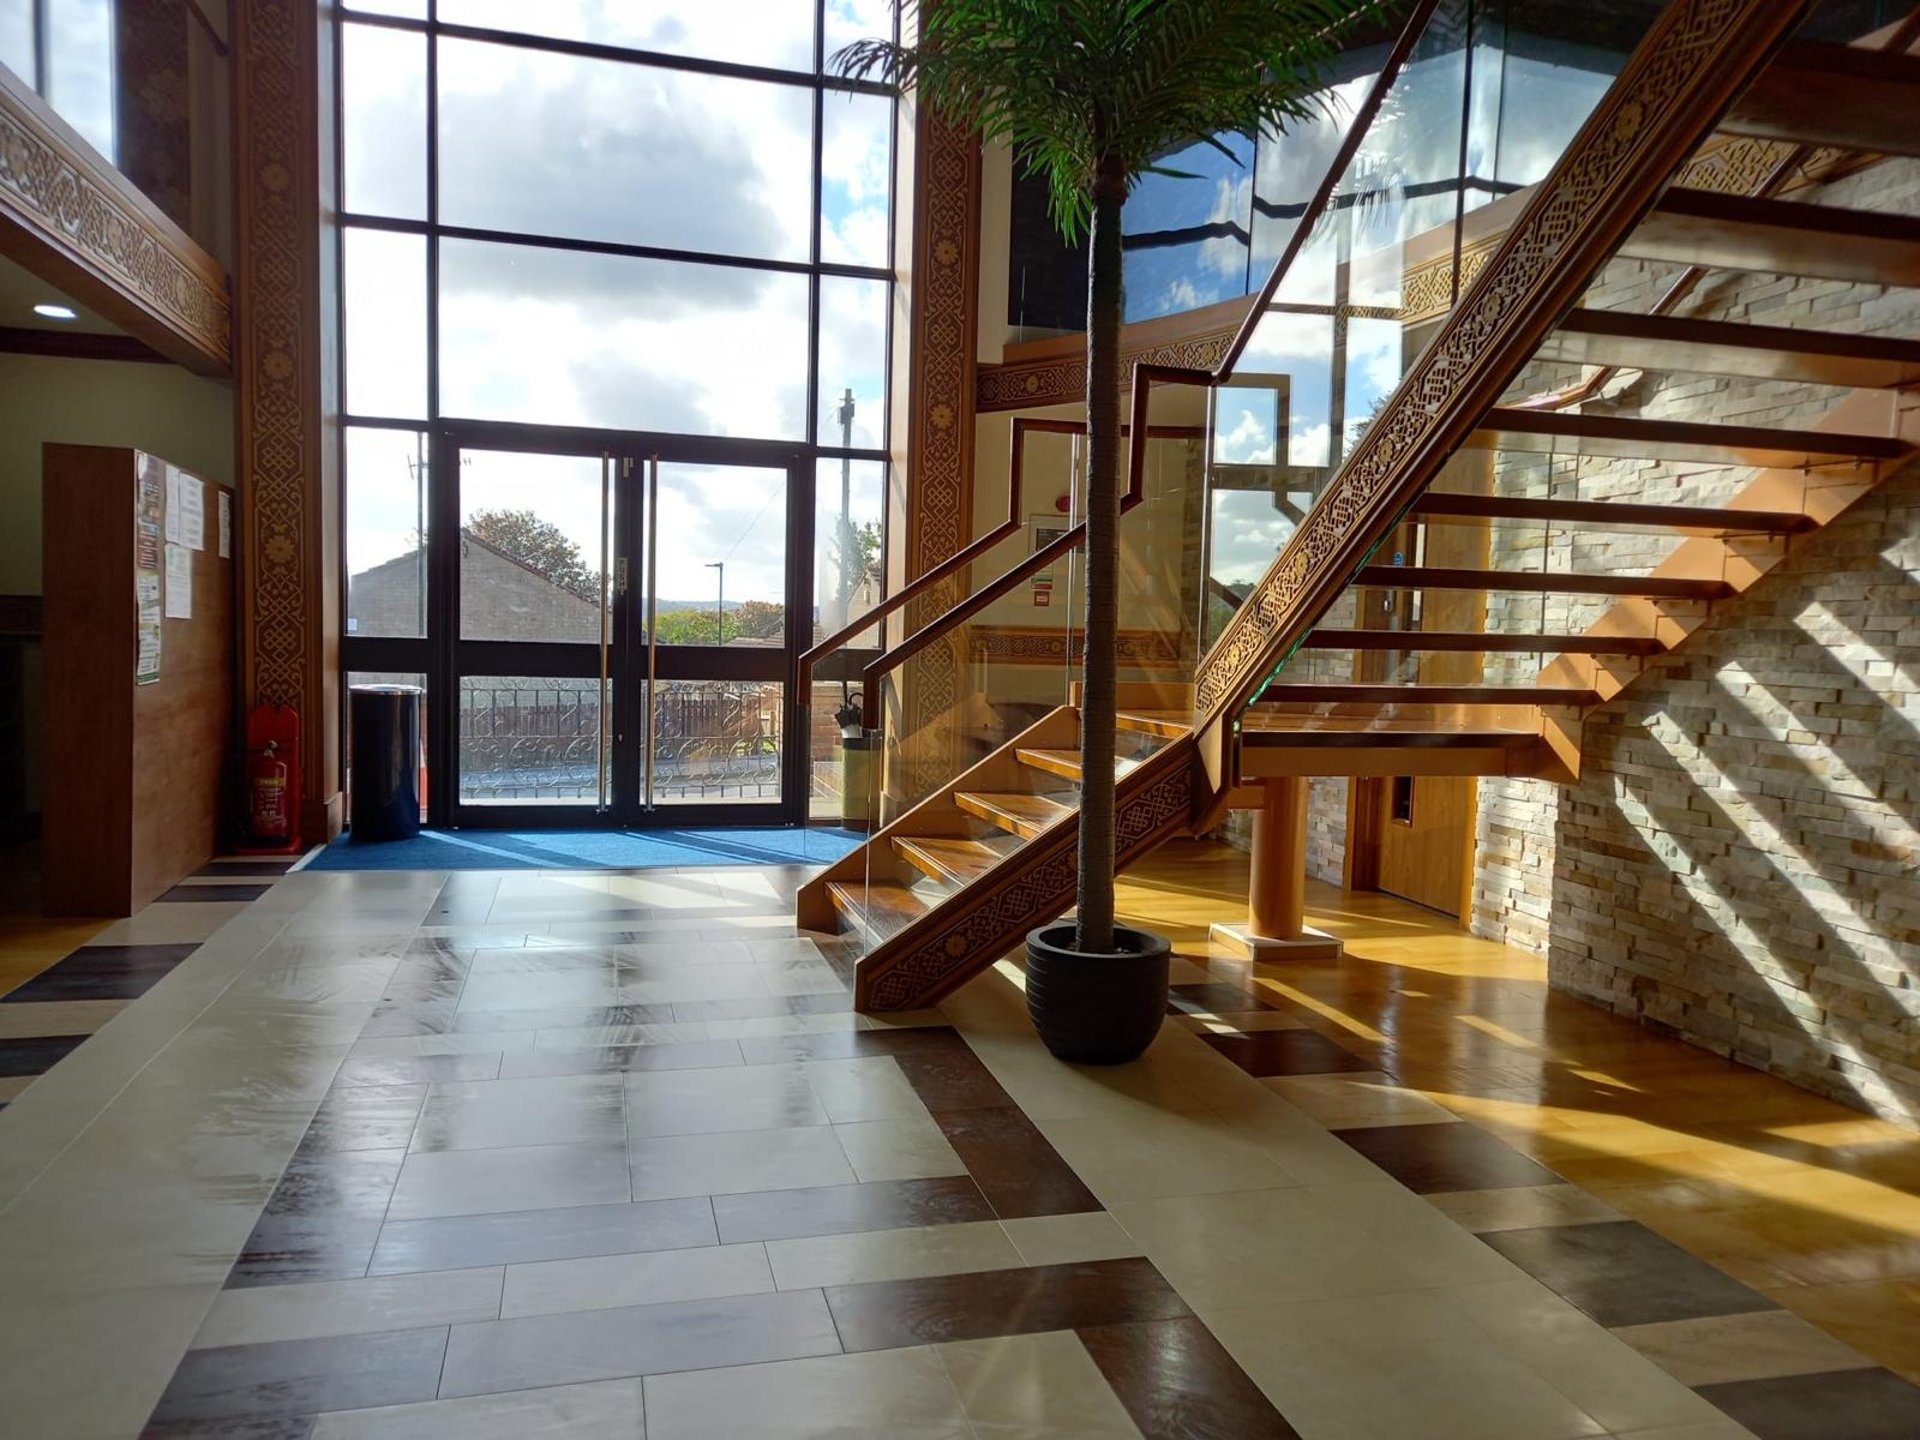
607	1154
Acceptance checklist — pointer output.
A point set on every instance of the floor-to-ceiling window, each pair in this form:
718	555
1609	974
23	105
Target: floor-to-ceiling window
616	297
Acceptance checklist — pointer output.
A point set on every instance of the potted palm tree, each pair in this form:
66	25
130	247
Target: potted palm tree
1090	94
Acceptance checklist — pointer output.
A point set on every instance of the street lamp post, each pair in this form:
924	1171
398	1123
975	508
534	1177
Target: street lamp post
719	602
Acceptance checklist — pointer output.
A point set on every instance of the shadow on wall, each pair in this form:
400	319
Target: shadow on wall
1740	862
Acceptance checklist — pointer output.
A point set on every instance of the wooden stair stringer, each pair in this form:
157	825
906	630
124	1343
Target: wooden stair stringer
973	927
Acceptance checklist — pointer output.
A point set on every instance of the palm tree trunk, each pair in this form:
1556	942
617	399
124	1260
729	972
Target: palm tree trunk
1104	460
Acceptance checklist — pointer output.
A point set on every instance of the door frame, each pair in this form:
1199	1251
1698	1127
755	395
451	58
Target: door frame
629	452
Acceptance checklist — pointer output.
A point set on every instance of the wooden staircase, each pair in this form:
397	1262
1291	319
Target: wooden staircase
954	883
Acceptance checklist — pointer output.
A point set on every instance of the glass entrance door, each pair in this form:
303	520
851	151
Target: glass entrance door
618	619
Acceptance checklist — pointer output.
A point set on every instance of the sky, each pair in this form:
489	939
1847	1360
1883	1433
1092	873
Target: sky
548	144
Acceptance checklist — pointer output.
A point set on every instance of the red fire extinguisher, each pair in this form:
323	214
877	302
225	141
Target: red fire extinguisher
269	819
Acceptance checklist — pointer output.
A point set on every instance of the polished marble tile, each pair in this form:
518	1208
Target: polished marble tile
366	1117
350	1307
303	1377
1857	1404
1623	1274
620	1059
1760	1345
508	1178
704	1102
855	1090
1001	1302
1154	1153
1016	1166
602	1410
322	1220
841	1209
1354	1101
1522	1207
643	1340
1037	1387
56	1017
35	1055
416	1069
608	1282
666	1166
1068	1239
1427	1158
563	1233
913	1149
286	1427
1286	1052
854	1259
1177	1382
202	891
550	1110
904	1393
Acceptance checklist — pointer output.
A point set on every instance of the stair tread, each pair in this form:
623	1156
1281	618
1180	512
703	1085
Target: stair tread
1023	814
1725	347
1067	762
1565	432
1606	514
955	859
1168	723
1778	237
1386	692
1478	641
1846	96
880	907
1262	725
1660	587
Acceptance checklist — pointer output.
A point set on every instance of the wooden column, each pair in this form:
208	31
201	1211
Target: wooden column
287	465
1276	927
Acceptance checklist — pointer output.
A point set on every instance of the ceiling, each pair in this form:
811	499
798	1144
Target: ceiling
21	290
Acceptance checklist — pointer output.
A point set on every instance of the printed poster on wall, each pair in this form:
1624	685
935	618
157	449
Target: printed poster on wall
226	524
149	498
173	504
192	501
179	583
146	650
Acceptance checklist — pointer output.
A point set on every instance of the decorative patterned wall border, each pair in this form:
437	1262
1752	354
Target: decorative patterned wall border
100	238
1036	645
1024	384
1696	56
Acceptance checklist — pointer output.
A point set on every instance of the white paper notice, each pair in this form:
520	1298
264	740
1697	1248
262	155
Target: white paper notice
226	524
193	512
173	506
179	583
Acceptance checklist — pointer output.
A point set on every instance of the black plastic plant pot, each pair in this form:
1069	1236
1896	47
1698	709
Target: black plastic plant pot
1097	1009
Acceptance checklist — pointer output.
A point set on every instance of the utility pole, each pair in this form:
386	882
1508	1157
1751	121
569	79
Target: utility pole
719	602
848	549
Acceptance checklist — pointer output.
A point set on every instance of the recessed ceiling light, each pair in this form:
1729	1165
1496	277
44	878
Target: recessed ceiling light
57	312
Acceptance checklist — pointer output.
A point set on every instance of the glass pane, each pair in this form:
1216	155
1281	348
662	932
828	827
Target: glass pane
851	20
80	68
1187	240
779	34
530	546
386	331
409	9
556	338
721	555
548	144
853	362
849	513
16	38
716	740
528	739
383	107
386	485
856	178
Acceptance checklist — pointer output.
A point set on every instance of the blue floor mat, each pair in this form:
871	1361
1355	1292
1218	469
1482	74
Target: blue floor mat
588	849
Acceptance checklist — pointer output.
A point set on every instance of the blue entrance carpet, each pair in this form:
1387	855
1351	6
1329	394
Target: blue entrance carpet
588	849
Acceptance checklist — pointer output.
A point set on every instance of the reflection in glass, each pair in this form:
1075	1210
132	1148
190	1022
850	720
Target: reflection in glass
548	144
16	38
1247	424
386	331
1300	347
717	740
849	513
528	739
79	79
384	110
853	359
386	487
721	555
856	178
1166	273
777	33
851	20
408	9
556	338
530	546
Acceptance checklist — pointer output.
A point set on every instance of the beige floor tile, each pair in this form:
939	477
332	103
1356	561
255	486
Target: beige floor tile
30	1019
668	1166
867	1089
702	1102
1158	1153
12	1086
1370	1367
1522	1207
1411	1235
891	1255
1721	1429
604	1410
1069	1239
267	1313
898	1149
519	1177
658	1277
1352	1102
1757	1346
1035	1387
835	1397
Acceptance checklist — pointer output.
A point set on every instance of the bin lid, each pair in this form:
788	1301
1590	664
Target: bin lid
386	690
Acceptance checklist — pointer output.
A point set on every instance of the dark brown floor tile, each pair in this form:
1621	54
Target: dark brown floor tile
644	1340
565	1233
37	1054
951	1078
322	1220
581	1017
1015	1166
1179	1383
1286	1052
297	1427
240	869
1434	1158
1213	998
986	1303
366	1117
102	972
415	1069
304	1377
207	893
1854	1404
1621	1273
609	1059
846	1209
